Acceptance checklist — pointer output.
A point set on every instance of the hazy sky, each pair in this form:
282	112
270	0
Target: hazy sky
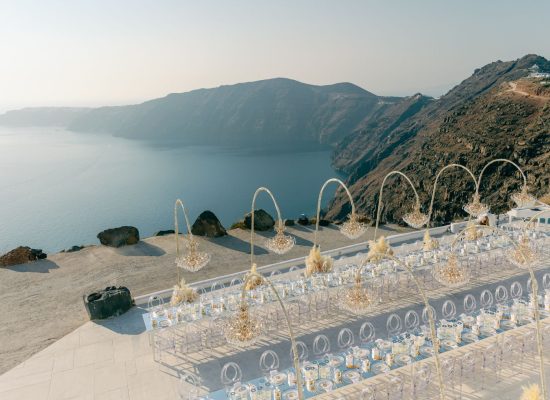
101	52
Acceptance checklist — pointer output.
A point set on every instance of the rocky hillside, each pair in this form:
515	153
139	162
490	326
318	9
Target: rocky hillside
42	116
498	112
264	113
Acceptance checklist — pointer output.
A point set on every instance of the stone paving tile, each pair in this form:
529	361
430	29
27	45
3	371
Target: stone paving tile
110	378
76	382
37	391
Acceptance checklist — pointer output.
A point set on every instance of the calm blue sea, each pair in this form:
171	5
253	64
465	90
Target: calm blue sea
59	188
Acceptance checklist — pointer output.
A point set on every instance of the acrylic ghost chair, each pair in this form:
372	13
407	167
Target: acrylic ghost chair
486	299
421	382
269	363
367	333
188	386
394	325
489	365
345	339
468	368
412	321
448	310
302	350
230	376
321	347
470	304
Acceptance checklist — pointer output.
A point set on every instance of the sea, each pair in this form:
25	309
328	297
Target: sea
60	188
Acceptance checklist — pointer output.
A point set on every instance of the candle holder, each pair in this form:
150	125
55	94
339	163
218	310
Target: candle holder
194	260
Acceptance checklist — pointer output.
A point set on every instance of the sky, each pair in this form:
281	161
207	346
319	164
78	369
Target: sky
104	52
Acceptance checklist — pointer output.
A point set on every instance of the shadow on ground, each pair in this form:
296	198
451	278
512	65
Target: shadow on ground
40	266
141	249
234	243
129	323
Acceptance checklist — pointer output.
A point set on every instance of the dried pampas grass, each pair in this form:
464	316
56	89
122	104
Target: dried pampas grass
531	392
429	243
472	233
317	263
183	294
254	280
378	250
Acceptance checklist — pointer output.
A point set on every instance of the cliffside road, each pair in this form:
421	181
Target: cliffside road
515	89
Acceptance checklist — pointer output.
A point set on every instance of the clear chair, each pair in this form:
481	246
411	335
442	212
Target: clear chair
269	361
449	374
367	333
321	347
426	313
516	290
490	365
303	352
448	310
486	299
468	370
421	382
394	325
188	386
412	321
217	286
470	304
395	386
501	295
154	303
231	375
345	339
236	282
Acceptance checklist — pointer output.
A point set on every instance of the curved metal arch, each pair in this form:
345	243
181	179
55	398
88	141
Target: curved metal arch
379	210
279	220
435	186
500	160
319	199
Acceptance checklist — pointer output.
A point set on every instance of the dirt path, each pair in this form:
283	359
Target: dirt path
514	89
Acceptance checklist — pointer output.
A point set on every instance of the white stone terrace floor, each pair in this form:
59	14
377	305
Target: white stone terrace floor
114	360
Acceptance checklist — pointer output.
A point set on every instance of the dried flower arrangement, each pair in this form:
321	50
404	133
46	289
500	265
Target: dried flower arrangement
378	250
254	281
317	263
429	243
183	294
531	392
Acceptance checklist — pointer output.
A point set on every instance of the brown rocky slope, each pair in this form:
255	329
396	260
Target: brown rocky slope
498	112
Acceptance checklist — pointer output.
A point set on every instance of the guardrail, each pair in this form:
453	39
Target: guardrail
299	263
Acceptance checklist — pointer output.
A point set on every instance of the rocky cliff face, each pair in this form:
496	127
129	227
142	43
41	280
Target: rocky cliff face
270	112
499	112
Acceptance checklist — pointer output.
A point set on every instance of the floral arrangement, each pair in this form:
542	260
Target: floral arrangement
254	280
531	392
183	294
378	250
317	263
429	243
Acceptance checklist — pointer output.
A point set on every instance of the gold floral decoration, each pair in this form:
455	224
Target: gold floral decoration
183	294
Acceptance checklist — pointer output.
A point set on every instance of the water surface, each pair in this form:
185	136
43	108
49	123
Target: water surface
59	188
